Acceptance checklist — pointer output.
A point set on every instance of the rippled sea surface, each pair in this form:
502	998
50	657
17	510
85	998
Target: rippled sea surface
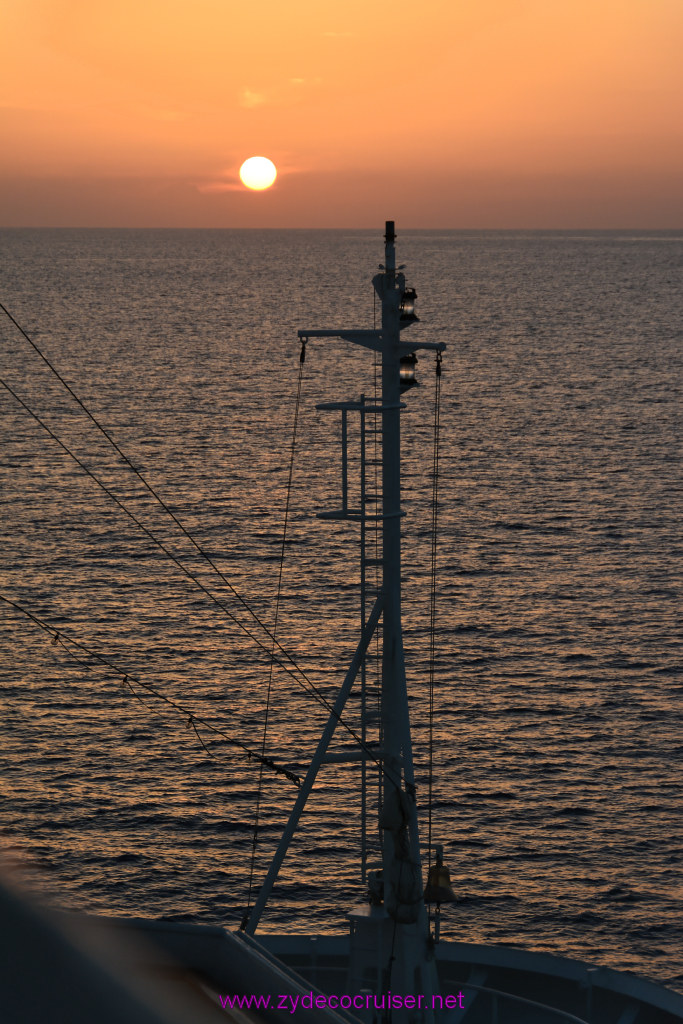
558	739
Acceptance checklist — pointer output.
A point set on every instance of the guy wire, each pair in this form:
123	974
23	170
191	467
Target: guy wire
432	599
277	612
149	487
312	690
60	637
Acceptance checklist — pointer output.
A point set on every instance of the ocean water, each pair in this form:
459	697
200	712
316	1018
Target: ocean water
558	738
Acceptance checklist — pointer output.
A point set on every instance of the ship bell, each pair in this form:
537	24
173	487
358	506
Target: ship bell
439	888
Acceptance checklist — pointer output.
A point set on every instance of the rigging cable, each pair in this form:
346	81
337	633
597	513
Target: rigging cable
151	536
149	488
312	689
432	601
59	637
308	686
302	359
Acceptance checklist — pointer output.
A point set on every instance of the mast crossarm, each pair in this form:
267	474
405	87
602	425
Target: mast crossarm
357	516
357	407
374	340
368	339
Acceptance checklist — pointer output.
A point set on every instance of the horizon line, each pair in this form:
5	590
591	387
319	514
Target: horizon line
198	227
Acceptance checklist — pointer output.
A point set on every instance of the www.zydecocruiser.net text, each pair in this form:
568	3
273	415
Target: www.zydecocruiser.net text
360	1001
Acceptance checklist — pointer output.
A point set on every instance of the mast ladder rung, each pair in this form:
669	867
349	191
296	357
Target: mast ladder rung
356	516
356	754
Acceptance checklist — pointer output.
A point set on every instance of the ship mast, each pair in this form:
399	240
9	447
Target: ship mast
394	933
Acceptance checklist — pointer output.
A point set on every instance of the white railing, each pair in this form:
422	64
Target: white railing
497	995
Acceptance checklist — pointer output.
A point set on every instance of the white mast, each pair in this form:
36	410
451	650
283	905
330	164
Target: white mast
390	942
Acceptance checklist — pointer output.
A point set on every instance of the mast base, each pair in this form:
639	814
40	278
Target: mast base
393	962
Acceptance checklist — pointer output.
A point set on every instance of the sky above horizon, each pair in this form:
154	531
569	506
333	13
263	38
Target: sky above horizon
472	114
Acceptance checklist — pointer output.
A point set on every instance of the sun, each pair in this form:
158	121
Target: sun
258	172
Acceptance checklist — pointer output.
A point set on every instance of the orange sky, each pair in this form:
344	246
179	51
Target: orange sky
451	113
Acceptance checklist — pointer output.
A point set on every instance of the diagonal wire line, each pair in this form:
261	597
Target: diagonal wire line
154	493
152	537
313	690
432	598
266	719
308	686
62	638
